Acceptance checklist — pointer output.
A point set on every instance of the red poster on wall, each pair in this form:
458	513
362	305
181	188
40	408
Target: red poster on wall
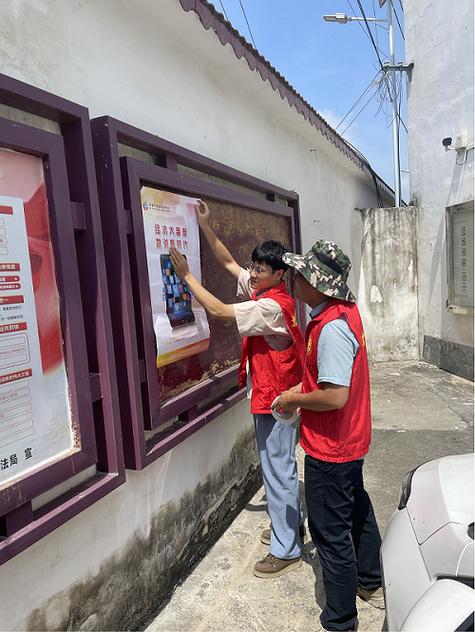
35	413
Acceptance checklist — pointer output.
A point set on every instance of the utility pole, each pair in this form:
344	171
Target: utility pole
390	68
395	122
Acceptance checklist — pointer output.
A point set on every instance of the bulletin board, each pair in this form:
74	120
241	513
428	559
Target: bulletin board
240	230
161	407
59	430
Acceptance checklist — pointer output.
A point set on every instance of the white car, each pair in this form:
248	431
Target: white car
427	554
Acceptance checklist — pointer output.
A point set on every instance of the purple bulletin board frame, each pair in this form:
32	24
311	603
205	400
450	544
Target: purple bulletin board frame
85	319
119	182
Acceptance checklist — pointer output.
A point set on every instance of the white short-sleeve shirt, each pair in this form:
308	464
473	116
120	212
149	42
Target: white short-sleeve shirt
260	318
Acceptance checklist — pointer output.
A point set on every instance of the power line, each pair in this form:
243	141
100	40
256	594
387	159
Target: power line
224	10
400	4
376	50
363	28
248	25
382	98
400	91
375	24
371	170
398	98
398	23
359	23
370	33
392	98
368	87
359	112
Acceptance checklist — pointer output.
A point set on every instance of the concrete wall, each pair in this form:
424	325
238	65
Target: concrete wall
439	40
388	283
154	66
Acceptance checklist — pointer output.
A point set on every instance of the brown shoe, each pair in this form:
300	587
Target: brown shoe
374	597
272	566
265	535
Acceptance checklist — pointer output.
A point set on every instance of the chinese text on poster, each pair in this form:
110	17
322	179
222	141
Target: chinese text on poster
35	416
180	323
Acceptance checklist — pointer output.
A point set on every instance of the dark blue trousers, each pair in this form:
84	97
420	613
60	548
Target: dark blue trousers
344	530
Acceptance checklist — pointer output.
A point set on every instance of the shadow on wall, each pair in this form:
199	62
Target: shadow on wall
387	295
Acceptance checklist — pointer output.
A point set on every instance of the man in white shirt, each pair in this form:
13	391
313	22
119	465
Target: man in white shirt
273	351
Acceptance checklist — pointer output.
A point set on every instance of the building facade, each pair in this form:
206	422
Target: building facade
439	41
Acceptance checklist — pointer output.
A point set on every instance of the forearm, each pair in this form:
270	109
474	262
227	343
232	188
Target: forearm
297	388
212	305
221	253
321	400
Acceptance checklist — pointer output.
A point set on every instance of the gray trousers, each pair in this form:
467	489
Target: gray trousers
276	447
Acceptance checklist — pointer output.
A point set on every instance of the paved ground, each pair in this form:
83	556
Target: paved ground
419	413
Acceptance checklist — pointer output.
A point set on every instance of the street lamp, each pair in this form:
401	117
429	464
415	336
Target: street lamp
342	18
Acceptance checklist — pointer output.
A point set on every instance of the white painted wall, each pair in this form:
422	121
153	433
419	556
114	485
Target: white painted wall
152	65
439	40
76	550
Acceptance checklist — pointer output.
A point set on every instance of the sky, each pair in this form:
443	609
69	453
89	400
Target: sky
331	65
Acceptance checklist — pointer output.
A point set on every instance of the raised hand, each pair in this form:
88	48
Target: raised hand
202	214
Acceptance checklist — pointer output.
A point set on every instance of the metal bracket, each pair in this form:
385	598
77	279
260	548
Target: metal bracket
399	68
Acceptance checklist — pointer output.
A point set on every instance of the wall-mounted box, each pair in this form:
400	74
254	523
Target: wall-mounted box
459	236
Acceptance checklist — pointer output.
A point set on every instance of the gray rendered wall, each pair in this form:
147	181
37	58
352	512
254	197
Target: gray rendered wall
388	282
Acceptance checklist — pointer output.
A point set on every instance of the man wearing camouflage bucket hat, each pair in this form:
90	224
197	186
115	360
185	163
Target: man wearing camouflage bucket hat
335	433
326	268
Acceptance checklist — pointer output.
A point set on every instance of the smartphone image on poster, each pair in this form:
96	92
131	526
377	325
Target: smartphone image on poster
176	294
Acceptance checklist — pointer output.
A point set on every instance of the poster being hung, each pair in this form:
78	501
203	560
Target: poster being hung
180	323
35	415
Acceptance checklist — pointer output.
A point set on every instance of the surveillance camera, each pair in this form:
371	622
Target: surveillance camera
446	142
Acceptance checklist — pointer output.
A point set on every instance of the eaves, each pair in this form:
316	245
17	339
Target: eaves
210	18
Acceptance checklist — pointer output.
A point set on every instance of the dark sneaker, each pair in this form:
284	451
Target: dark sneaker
272	566
354	629
265	535
374	597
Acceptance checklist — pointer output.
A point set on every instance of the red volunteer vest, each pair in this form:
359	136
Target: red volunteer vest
337	435
272	371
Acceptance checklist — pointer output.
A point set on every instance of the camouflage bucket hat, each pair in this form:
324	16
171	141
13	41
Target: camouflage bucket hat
326	267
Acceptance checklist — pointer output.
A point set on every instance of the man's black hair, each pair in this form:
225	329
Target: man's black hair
270	252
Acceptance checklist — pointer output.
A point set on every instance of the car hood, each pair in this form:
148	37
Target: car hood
441	492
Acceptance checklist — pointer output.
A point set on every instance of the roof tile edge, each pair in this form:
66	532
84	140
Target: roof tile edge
210	18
